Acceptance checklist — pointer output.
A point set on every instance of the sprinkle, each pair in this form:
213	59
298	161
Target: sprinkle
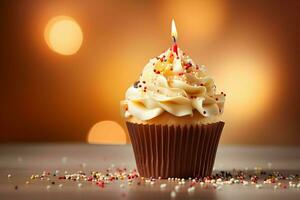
258	186
27	182
79	185
275	187
16	187
48	187
121	185
177	187
245	183
191	189
162	186
8	175
60	185
173	194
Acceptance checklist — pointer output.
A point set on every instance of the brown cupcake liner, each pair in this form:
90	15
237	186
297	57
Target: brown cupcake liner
175	151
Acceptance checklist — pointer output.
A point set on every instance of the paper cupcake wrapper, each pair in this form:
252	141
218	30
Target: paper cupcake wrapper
175	151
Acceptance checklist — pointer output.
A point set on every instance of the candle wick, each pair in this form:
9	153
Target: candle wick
174	39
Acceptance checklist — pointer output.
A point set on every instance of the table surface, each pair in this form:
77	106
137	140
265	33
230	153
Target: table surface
23	160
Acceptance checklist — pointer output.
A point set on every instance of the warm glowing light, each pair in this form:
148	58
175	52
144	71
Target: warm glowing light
174	31
200	21
250	86
106	132
63	35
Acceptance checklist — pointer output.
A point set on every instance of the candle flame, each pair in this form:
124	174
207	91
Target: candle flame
174	31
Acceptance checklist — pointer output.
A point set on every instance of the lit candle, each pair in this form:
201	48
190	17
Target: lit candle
174	37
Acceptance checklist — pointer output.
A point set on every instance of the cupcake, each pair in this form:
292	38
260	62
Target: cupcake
173	115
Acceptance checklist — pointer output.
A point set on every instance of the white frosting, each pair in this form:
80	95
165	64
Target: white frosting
174	84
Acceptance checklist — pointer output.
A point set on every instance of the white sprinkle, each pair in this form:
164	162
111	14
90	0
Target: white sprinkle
79	184
48	187
177	187
57	171
8	175
279	184
298	186
60	185
258	186
275	187
219	180
236	181
173	194
48	179
213	181
162	186
219	188
27	182
201	183
152	182
191	189
245	183
122	185
294	185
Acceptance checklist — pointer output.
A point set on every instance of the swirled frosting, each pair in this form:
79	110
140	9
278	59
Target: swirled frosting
172	83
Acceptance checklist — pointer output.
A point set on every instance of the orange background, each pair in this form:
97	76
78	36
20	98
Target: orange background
251	48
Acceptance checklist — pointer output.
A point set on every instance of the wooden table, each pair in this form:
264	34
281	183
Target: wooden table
23	160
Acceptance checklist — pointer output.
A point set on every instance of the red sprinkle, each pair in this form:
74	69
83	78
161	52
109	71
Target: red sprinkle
100	184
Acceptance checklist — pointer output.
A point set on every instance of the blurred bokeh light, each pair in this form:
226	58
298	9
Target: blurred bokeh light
63	35
249	47
106	132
